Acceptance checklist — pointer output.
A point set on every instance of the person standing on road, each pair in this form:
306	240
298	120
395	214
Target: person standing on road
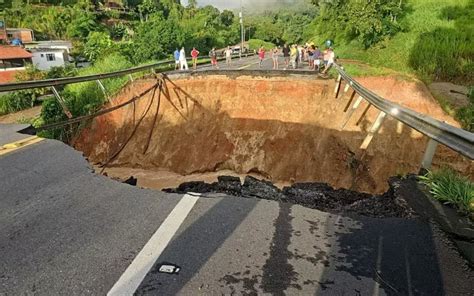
300	54
275	53
286	55
194	55
176	58
228	56
182	59
317	59
261	55
213	56
294	56
311	50
330	60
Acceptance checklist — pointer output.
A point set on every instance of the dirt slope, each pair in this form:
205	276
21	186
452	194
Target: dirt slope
287	129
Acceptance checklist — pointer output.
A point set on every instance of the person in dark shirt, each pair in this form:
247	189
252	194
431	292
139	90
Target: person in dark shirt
317	59
286	55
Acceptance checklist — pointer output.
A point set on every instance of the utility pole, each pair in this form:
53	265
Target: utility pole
241	16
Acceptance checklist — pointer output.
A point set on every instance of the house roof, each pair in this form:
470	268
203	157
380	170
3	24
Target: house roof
47	50
13	52
19	29
52	43
8	76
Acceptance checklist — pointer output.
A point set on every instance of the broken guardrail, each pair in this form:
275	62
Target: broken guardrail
437	131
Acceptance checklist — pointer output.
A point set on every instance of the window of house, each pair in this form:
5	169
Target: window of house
42	55
50	57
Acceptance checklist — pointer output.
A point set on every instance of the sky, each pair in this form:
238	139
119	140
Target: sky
232	4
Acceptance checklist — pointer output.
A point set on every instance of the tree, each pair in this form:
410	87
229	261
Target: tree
227	18
368	21
155	38
98	43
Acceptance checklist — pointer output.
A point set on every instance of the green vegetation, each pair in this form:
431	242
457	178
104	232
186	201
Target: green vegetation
19	100
362	70
281	26
465	115
432	38
86	97
254	44
450	188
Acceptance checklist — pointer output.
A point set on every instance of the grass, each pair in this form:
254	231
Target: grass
254	44
364	70
85	97
448	187
436	43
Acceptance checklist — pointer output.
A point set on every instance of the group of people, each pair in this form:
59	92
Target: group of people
320	61
181	62
180	59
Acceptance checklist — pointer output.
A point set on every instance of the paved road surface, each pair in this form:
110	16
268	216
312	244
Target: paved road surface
67	231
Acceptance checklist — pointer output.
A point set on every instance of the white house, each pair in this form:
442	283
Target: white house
45	58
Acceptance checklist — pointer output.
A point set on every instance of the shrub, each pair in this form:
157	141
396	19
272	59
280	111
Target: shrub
254	44
85	97
450	188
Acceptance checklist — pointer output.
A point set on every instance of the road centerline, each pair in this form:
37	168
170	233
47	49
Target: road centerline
10	147
144	261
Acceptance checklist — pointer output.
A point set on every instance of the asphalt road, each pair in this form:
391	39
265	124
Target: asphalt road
65	230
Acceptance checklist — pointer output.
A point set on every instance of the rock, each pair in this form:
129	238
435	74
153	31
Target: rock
228	184
131	181
197	187
262	189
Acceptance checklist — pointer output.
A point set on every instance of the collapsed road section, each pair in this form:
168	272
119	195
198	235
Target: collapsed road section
286	128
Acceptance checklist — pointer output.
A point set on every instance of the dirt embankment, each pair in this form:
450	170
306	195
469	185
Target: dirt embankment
287	129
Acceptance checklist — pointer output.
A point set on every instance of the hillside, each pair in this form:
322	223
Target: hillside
436	41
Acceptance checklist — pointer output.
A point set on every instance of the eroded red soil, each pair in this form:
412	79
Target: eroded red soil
287	129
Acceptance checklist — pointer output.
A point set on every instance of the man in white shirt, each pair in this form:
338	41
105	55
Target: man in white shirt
182	59
228	56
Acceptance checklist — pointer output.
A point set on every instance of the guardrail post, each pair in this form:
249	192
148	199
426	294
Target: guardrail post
338	85
429	154
351	112
363	114
61	102
350	101
102	87
346	88
373	130
130	77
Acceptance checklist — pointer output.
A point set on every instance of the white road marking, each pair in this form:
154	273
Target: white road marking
143	262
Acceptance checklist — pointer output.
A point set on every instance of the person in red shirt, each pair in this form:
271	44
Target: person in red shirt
261	55
194	55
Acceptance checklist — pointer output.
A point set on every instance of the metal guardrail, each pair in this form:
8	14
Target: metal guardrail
70	80
457	139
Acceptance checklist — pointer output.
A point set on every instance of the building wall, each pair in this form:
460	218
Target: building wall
40	59
24	35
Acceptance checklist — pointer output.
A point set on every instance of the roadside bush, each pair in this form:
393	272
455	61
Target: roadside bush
16	101
23	99
465	115
86	97
451	188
